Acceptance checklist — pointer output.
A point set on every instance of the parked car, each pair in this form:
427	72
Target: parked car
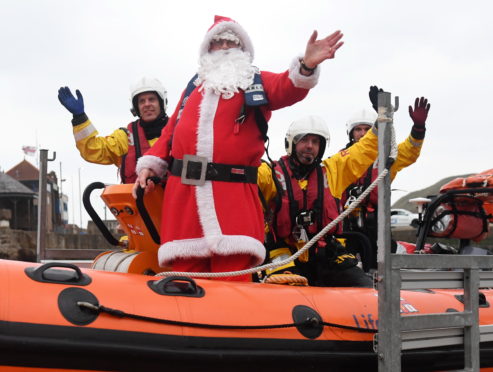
403	217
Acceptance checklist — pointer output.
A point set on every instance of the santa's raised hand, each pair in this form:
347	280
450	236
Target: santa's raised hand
318	51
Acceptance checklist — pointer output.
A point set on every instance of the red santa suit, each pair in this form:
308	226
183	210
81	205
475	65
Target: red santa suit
218	218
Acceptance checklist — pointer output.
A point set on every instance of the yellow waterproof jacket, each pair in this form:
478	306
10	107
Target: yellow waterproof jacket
343	168
101	150
408	153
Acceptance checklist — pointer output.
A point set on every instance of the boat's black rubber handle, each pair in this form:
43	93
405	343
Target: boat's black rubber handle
86	200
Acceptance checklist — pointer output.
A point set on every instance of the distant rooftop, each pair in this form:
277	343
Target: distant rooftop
24	171
10	186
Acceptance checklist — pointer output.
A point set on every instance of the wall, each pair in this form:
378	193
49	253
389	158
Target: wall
21	245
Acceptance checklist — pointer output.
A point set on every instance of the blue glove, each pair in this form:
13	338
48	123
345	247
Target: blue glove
67	99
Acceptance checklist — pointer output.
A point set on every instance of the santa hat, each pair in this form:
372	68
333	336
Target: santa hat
222	24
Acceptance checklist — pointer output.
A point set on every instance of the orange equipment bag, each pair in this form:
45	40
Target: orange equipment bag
480	180
461	217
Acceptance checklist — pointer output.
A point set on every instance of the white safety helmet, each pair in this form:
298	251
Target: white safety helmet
147	84
363	116
307	125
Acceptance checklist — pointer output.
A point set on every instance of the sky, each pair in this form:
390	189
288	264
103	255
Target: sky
441	50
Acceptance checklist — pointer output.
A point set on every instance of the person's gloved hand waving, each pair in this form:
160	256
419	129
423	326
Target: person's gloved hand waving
419	115
374	90
72	104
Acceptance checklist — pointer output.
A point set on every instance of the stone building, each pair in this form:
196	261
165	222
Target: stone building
27	175
21	201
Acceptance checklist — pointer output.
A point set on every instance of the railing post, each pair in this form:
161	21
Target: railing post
42	195
388	282
471	333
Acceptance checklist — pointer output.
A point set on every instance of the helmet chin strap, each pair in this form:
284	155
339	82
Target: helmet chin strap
299	169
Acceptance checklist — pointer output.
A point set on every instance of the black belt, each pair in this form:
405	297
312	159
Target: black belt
198	170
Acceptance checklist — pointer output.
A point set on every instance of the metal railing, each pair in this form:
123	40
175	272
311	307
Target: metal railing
395	272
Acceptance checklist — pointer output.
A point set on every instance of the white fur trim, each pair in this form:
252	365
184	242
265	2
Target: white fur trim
158	165
205	147
200	248
240	244
227	35
205	126
302	81
185	248
246	43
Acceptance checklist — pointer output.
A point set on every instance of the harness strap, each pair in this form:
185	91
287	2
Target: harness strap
319	202
261	123
135	134
293	204
188	90
138	151
278	186
367	181
215	171
122	168
270	214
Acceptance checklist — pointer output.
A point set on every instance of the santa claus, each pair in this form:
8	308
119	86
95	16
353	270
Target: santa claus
212	219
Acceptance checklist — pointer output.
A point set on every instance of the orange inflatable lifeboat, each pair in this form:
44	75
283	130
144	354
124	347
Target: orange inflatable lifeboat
59	316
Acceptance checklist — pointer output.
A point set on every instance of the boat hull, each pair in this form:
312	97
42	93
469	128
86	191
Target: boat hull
181	324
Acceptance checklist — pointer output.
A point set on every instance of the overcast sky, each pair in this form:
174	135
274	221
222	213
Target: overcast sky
438	49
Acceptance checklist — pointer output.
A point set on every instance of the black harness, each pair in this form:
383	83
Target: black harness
302	216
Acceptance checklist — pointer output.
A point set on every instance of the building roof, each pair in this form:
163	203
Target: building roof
24	171
10	186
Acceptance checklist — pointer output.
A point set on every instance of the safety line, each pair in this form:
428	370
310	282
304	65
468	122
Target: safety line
309	322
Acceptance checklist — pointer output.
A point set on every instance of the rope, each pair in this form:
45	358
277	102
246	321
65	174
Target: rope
309	322
291	279
285	261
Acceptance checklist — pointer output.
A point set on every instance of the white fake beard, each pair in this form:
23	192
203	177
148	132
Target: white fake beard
226	71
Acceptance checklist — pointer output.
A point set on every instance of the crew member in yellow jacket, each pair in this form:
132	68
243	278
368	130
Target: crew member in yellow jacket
364	218
300	193
127	144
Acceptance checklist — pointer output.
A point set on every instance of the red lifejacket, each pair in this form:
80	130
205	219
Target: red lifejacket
357	188
316	200
137	146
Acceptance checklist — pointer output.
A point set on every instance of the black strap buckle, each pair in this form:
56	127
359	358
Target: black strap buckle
189	176
305	218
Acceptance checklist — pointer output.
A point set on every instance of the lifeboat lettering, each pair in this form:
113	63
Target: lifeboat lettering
365	321
407	308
